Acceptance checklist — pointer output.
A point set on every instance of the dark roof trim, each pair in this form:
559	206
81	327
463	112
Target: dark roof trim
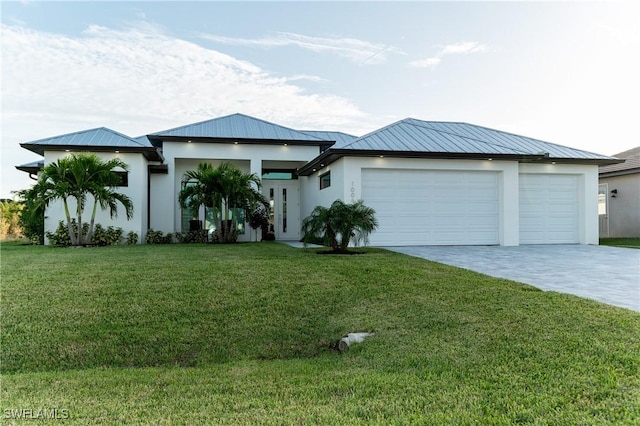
157	140
619	173
332	155
151	153
31	168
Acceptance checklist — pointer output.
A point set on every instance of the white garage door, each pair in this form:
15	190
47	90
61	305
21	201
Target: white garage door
432	207
549	207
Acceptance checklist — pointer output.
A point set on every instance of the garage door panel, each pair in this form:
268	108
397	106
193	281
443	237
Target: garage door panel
432	207
549	209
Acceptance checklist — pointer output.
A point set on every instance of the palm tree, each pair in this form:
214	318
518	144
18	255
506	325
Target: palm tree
78	176
224	188
339	224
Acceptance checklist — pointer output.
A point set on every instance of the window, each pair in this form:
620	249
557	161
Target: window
124	178
282	174
213	215
603	189
325	180
189	214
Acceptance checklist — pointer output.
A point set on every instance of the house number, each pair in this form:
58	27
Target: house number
353	192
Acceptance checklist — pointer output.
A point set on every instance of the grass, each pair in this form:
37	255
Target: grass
238	334
621	242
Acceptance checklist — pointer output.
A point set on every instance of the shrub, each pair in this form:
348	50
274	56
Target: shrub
158	237
132	238
61	235
200	236
106	237
259	218
101	236
32	216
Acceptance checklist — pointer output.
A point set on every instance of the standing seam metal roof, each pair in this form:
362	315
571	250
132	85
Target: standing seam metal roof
237	126
98	137
453	137
340	138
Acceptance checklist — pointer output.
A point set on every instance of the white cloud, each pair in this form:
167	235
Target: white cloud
461	48
356	50
138	81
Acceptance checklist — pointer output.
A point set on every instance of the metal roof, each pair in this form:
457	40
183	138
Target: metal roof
143	140
340	138
461	138
99	139
237	126
631	164
32	167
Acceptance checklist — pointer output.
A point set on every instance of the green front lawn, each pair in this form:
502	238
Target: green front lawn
621	242
237	334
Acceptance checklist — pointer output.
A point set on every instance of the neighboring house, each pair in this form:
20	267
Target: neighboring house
431	183
619	196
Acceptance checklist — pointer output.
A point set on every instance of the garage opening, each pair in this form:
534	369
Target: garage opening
549	209
433	207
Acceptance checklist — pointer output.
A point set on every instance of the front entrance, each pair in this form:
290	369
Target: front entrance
284	214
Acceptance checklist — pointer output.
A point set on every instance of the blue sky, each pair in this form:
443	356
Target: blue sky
562	72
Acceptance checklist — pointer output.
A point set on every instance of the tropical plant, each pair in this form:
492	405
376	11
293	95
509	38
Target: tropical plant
224	188
259	218
158	237
61	237
77	177
132	237
339	224
107	236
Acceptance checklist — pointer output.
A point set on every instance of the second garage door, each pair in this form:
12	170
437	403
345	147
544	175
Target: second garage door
433	207
549	209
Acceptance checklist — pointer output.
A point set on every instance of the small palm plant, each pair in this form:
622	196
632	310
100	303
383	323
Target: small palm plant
339	225
224	188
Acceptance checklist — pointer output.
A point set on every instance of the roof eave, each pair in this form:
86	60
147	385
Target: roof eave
157	140
32	170
332	155
151	153
619	173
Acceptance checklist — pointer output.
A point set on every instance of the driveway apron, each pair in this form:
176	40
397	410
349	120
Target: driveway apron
607	274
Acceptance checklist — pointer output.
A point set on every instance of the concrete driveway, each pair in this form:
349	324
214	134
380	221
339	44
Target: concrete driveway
607	274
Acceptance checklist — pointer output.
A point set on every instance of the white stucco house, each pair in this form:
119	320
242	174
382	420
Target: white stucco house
431	183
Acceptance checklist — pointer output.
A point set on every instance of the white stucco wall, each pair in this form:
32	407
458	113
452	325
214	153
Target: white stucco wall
346	174
136	190
312	195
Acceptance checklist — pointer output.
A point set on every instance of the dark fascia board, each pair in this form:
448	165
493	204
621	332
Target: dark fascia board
150	153
332	155
620	173
157	140
32	170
